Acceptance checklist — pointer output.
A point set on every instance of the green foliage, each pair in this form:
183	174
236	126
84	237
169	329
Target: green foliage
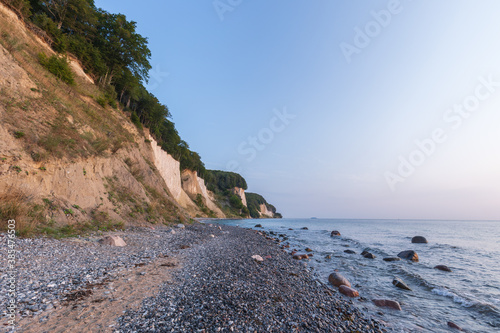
57	66
18	134
235	201
21	7
222	181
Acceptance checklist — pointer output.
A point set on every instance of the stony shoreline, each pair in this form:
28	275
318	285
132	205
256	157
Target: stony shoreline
200	279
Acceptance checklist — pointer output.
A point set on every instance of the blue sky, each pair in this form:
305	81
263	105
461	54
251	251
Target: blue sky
268	89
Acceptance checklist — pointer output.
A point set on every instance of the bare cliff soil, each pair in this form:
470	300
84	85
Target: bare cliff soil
68	161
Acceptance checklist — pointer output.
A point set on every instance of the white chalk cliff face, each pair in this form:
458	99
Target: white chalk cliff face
265	212
170	171
194	185
241	193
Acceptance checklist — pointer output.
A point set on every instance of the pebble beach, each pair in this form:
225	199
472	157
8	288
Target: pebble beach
197	278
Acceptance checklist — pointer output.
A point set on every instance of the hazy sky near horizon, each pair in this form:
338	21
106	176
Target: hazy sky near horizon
352	109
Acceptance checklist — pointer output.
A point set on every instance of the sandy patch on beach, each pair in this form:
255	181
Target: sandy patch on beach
96	308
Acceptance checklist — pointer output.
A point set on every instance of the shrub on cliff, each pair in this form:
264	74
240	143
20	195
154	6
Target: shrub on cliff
57	66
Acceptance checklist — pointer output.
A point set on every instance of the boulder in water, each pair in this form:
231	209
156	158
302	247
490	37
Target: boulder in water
408	255
338	280
369	255
392	259
387	304
419	240
400	284
443	268
348	291
334	233
258	226
308	249
350	251
304	228
455	326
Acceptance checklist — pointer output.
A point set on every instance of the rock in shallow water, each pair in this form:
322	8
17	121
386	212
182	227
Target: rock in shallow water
443	268
335	233
400	284
348	291
455	326
387	304
408	255
419	240
338	280
350	251
392	259
369	255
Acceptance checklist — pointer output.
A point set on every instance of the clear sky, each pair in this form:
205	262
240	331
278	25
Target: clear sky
343	109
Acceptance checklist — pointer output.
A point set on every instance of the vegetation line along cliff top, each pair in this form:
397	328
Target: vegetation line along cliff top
83	144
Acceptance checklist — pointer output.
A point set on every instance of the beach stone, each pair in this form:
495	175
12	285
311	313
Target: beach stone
408	255
400	284
258	226
369	255
349	251
419	240
308	249
338	280
392	259
455	326
257	258
300	256
183	247
386	303
443	268
171	231
113	241
328	256
304	228
180	226
348	291
334	233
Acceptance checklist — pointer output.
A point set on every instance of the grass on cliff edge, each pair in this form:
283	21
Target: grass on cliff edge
31	219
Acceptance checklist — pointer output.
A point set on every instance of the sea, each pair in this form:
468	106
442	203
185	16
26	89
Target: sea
468	296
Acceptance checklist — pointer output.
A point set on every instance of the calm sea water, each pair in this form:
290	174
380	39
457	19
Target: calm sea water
468	296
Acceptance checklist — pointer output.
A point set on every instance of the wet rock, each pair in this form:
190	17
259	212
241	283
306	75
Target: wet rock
408	255
308	249
349	251
369	255
338	280
400	284
348	291
112	240
392	259
290	228
335	233
443	268
304	228
300	256
455	326
257	258
419	240
328	256
258	226
386	303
